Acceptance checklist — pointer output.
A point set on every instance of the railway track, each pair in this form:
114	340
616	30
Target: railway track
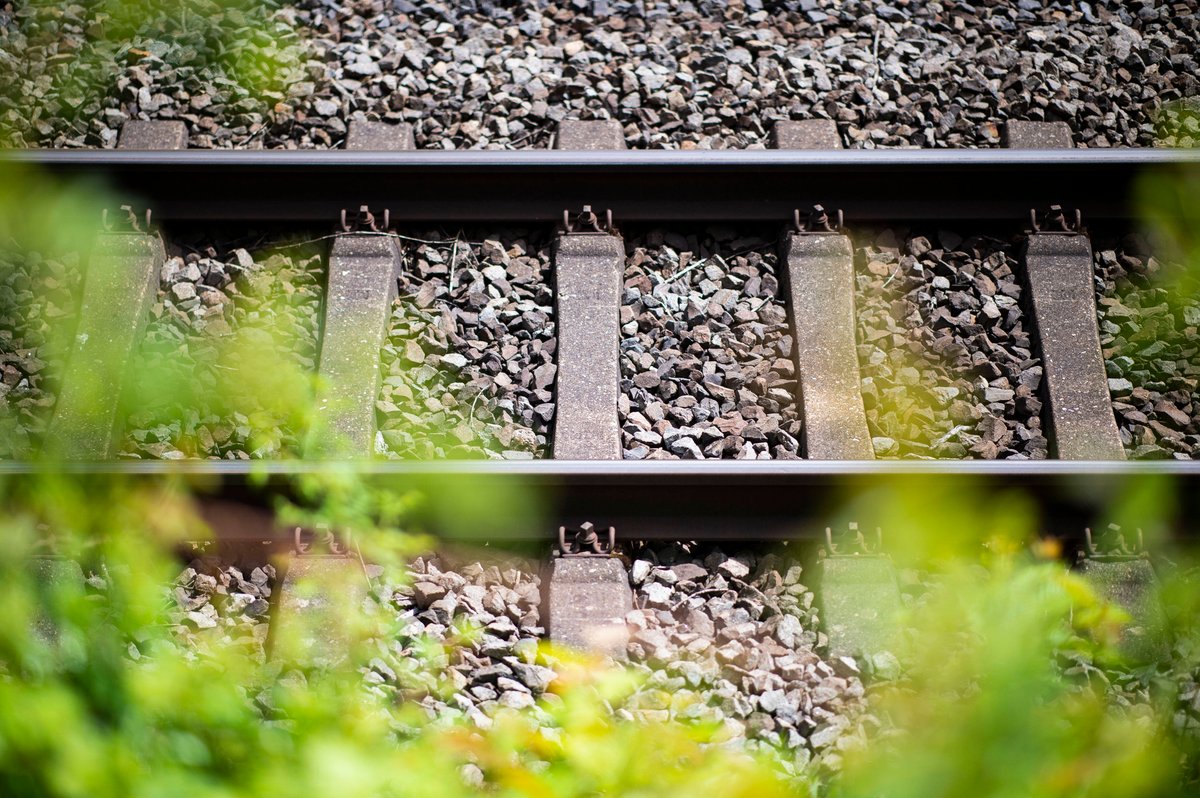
1006	193
823	206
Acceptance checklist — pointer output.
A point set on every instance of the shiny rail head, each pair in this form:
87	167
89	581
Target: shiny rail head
630	471
607	159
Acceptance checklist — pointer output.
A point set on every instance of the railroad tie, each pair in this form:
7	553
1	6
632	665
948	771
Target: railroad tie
805	134
1058	270
588	282
859	594
363	269
589	260
158	134
820	276
379	136
588	595
1119	568
1059	273
119	290
1021	135
324	583
593	134
54	573
820	279
362	286
318	587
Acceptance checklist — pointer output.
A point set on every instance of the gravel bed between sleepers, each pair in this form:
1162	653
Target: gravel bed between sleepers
469	363
706	349
1149	315
212	605
454	675
218	602
225	366
725	639
948	366
734	640
38	303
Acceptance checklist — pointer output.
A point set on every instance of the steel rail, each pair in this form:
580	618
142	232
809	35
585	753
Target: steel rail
651	499
631	471
727	500
536	186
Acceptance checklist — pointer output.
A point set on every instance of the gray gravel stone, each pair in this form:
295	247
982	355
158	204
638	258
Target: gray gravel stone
715	75
738	651
735	643
226	73
218	603
452	675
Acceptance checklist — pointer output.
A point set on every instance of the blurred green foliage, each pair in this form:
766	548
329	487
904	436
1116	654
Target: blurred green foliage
1014	681
241	379
46	229
1168	202
110	703
985	709
63	64
102	692
1177	123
